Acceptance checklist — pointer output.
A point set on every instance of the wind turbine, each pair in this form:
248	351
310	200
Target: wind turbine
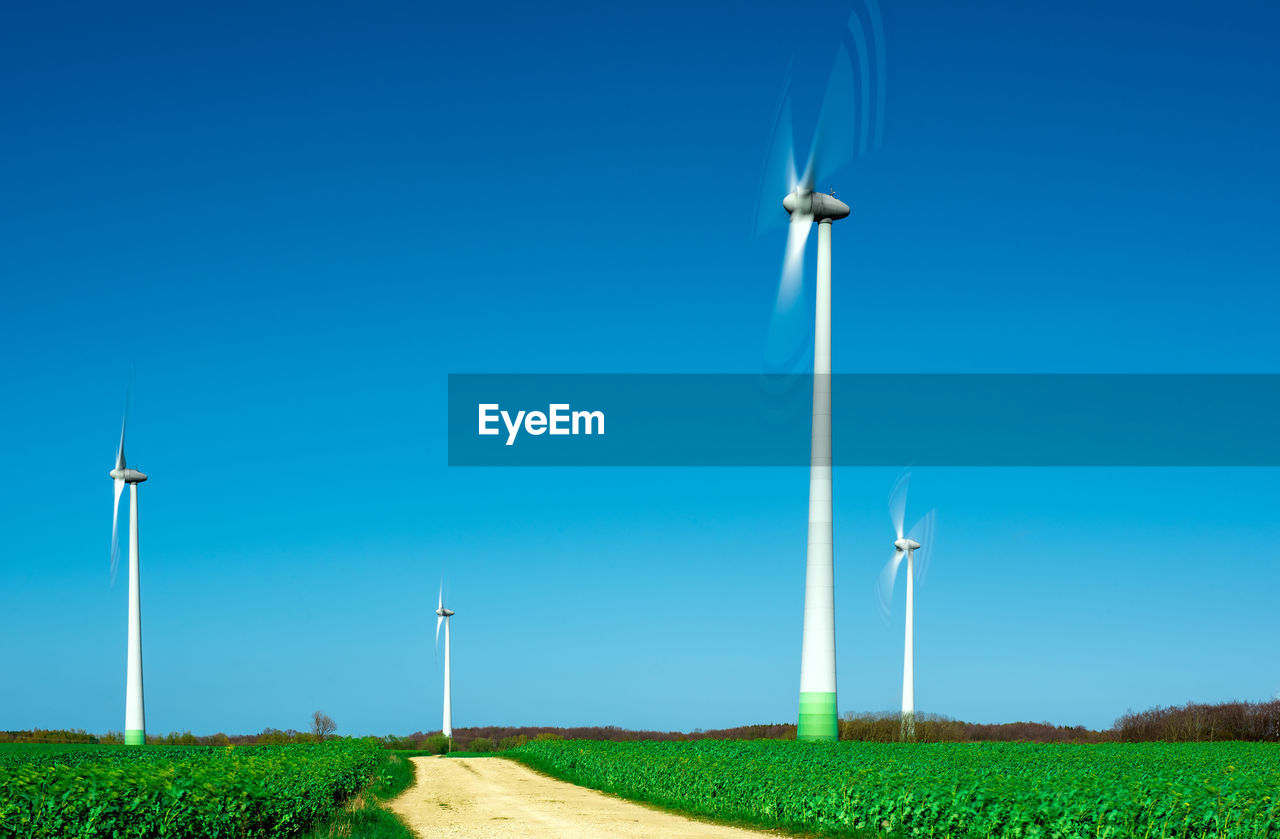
920	538
834	146
135	727
443	616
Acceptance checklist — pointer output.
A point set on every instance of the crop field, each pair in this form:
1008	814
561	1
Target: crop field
206	791
1107	791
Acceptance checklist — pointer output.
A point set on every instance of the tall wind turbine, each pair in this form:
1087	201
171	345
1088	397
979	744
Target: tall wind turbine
834	145
443	616
135	727
847	125
920	538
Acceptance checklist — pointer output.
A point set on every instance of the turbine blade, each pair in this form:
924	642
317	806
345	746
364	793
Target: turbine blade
790	324
115	531
884	587
793	262
439	617
898	502
124	421
923	532
835	140
778	177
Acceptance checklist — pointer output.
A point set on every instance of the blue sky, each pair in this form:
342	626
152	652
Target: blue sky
295	222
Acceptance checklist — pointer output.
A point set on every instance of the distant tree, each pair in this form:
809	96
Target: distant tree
391	741
322	725
1194	722
436	744
480	744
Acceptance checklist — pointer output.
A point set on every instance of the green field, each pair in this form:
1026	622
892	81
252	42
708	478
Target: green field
999	790
208	791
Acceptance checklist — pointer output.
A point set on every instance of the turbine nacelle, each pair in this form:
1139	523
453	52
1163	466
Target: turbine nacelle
802	203
443	612
129	476
906	544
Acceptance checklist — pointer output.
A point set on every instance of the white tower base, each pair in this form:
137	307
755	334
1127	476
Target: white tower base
447	728
908	658
818	714
135	726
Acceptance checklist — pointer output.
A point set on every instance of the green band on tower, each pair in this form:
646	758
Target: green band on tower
135	737
817	717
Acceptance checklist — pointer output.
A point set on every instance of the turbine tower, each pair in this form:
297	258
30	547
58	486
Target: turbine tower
135	727
443	616
818	712
906	546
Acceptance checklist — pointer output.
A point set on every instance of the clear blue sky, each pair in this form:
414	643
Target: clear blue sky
295	221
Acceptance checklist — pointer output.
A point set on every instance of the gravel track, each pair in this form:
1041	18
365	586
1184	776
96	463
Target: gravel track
494	798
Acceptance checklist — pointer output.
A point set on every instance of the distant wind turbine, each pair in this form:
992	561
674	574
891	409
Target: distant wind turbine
443	616
920	538
135	728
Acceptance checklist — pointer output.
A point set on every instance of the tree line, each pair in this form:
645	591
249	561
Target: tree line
1193	722
501	737
887	727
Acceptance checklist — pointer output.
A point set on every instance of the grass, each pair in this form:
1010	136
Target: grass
429	753
411	752
473	754
366	817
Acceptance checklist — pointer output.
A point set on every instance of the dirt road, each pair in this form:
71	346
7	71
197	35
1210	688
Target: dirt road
493	798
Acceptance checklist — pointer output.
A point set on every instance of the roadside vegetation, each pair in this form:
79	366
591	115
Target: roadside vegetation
88	791
989	790
366	817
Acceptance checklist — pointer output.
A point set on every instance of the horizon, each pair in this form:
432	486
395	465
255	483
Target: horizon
296	223
892	714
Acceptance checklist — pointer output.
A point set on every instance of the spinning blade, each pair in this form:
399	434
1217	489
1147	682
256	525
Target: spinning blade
439	617
119	489
884	586
898	502
923	532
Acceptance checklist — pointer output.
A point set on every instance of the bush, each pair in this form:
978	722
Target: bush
391	741
437	744
481	744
